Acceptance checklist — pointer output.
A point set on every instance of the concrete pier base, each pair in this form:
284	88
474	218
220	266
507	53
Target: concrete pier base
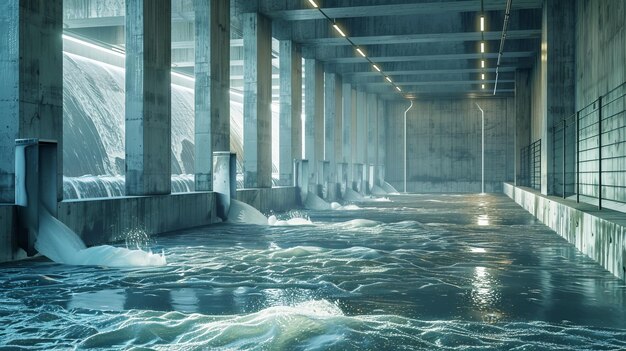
600	235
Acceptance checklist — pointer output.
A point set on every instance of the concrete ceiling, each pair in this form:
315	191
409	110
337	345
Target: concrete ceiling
428	47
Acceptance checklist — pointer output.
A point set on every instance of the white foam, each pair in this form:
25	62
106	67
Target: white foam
359	223
295	221
60	244
242	213
314	202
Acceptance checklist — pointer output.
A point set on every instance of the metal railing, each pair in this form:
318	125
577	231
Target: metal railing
589	151
530	165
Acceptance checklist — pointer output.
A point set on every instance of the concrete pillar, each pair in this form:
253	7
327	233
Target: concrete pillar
522	116
314	113
372	132
346	127
290	138
330	117
558	52
338	127
257	99
148	97
212	86
381	141
361	128
31	95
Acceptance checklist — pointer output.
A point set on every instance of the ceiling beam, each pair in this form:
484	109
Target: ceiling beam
422	38
401	9
437	57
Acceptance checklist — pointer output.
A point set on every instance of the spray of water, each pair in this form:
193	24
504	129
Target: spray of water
60	244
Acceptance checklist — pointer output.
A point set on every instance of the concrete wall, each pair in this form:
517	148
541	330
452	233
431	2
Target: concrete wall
110	219
269	199
107	220
8	243
600	48
444	144
600	235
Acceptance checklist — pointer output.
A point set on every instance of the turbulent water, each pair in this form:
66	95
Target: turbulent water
414	272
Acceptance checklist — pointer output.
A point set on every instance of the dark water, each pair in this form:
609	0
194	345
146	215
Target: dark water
418	272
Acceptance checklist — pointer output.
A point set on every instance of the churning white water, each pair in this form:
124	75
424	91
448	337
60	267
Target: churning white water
60	244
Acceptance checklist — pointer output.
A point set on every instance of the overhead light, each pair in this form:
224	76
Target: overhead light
376	68
483	76
398	89
482	63
388	79
339	30
360	52
313	3
482	23
482	47
483	87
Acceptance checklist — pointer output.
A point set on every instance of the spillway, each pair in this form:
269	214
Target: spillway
414	272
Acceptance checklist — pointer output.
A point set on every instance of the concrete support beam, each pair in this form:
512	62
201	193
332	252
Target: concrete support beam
558	77
148	97
290	138
346	127
31	96
361	128
314	113
522	115
257	99
212	86
372	132
338	127
381	140
330	120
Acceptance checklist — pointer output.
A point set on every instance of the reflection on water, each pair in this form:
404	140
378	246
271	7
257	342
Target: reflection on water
416	271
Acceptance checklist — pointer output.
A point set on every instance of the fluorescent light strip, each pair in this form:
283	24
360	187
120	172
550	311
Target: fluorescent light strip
482	64
482	47
339	30
358	49
482	23
483	87
483	76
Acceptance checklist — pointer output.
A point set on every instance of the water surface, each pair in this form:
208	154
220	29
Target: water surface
415	272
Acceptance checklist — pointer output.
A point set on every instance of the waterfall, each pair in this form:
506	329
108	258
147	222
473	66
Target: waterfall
93	130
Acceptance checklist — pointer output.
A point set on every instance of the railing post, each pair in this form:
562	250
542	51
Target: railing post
564	154
578	156
600	153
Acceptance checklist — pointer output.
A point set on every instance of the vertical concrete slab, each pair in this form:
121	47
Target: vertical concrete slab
558	58
372	132
522	115
148	97
212	86
31	96
330	116
361	128
314	113
290	139
381	141
346	127
257	99
338	127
